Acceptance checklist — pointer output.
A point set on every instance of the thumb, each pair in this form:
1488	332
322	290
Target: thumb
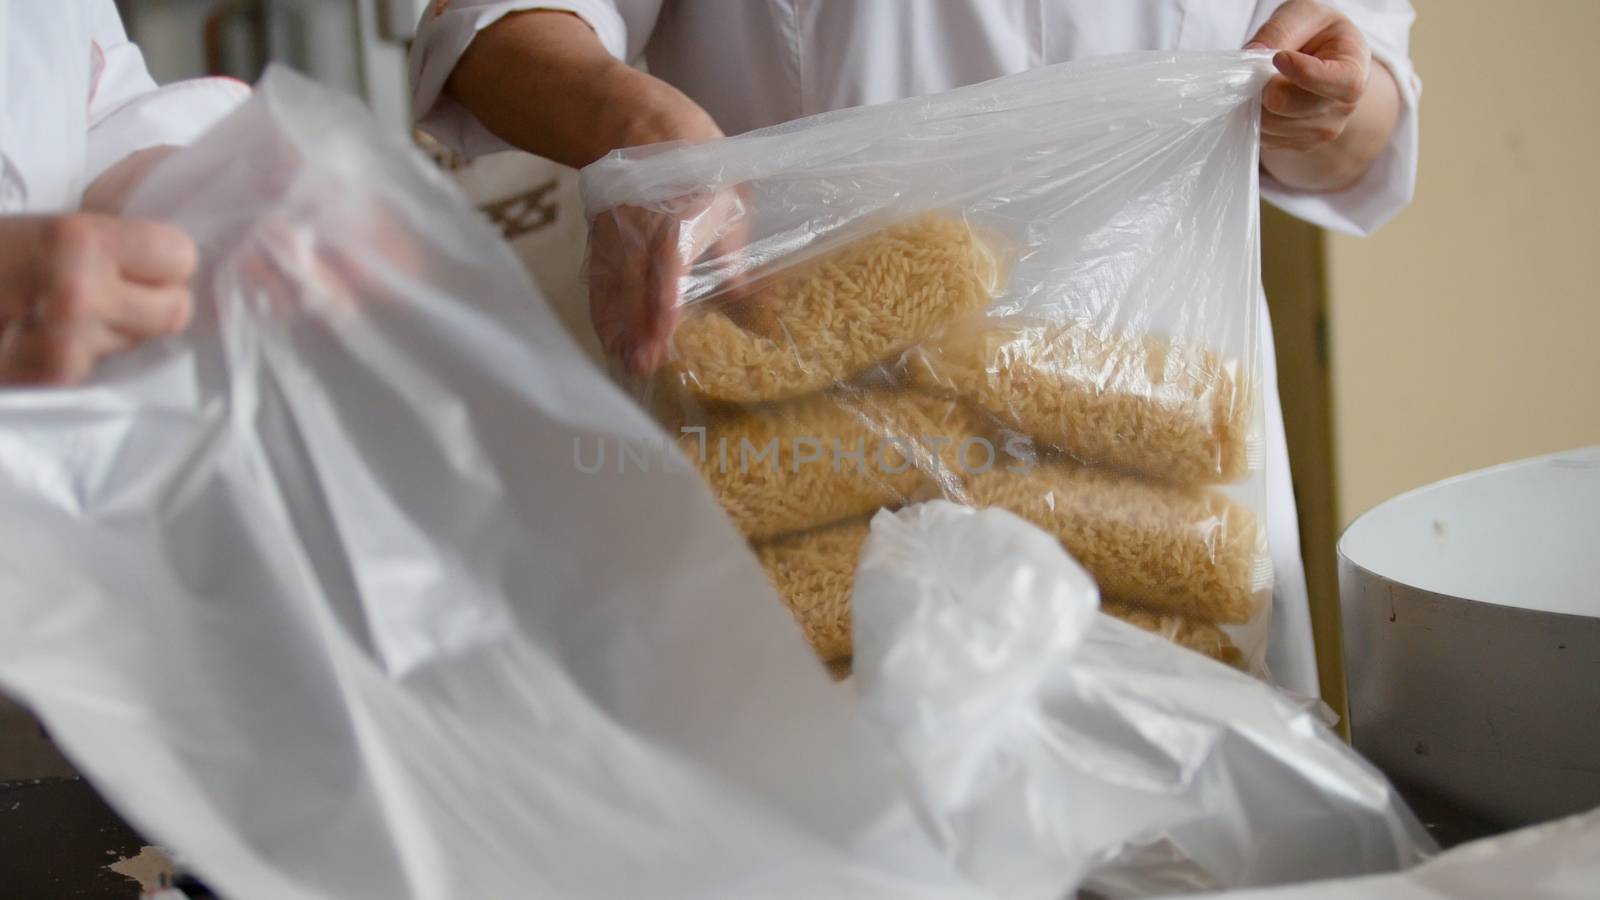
1337	77
153	253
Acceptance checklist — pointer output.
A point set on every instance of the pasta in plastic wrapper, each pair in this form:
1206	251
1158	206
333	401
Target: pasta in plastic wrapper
1041	293
371	585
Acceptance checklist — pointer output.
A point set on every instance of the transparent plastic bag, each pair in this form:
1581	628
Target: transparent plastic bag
1039	293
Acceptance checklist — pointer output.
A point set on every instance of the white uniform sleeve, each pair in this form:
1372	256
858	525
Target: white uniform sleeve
449	26
1388	185
128	112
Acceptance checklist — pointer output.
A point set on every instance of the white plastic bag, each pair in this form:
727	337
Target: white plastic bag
981	657
317	596
1039	293
325	596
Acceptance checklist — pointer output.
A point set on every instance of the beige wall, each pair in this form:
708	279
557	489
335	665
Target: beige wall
1467	331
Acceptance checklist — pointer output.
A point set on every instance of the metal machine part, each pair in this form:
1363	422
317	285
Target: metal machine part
1472	637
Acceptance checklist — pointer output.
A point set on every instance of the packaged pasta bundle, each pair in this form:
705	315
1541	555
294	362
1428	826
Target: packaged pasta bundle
1038	293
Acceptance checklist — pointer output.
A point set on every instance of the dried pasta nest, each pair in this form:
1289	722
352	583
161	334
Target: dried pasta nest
814	572
1184	550
786	467
1176	412
1201	637
827	320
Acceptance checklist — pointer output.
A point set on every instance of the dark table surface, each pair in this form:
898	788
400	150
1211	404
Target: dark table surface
59	839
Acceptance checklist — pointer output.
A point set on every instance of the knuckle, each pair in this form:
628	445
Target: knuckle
1292	9
1341	91
1293	141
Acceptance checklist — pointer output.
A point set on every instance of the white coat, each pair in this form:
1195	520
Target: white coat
752	63
75	99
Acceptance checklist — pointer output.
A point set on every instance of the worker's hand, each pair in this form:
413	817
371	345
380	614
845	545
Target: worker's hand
77	288
1325	65
636	258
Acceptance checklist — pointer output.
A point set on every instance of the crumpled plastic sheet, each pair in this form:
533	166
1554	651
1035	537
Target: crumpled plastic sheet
319	599
1000	686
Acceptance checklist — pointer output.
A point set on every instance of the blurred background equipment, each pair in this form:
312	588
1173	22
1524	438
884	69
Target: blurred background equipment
357	46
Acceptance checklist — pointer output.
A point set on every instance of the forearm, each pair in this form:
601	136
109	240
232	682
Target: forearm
1343	161
542	81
